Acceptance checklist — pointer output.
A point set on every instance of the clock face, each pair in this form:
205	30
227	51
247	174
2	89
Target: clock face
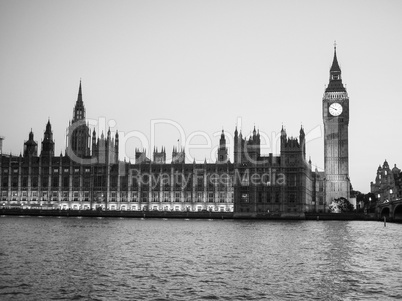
335	109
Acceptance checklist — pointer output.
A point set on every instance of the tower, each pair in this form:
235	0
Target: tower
236	148
222	151
78	133
178	156
47	142
30	146
159	157
335	112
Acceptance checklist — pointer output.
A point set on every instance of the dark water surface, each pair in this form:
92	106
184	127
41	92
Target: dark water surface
131	259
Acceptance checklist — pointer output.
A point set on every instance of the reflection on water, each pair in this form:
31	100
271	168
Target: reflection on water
133	259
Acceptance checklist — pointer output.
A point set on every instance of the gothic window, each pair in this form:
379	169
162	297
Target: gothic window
113	181
178	180
66	182
166	196
5	182
155	197
292	198
188	196
123	183
277	197
14	182
145	196
222	197
123	196
259	197
35	182
45	181
76	182
87	182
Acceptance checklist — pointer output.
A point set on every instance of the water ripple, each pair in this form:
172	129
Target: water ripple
134	259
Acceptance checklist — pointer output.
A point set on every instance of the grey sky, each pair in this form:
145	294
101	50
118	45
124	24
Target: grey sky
203	65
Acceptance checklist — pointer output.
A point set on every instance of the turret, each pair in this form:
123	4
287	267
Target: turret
302	139
108	135
78	133
141	156
30	146
222	151
237	147
178	156
47	142
283	137
159	157
79	109
94	145
116	146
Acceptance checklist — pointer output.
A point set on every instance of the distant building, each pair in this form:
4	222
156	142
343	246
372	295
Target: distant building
387	186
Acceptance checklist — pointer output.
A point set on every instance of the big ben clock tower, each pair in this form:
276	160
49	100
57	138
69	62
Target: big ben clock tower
335	112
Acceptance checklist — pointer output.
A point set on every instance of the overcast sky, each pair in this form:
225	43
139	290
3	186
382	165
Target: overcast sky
203	66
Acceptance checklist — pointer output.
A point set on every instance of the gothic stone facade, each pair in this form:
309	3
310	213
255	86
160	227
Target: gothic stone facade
89	175
335	110
387	186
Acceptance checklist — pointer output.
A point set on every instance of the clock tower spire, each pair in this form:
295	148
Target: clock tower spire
335	111
335	78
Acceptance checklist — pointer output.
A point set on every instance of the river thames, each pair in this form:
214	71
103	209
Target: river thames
48	258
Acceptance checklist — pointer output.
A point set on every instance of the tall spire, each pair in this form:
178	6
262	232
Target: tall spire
335	66
79	99
48	127
79	135
335	79
79	109
47	142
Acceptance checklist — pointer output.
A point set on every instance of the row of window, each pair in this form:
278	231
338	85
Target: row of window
134	200
98	181
45	170
134	195
267	197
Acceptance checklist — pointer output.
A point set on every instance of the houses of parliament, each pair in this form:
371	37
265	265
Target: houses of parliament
90	176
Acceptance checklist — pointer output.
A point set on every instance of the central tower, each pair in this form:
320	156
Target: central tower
335	112
78	134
